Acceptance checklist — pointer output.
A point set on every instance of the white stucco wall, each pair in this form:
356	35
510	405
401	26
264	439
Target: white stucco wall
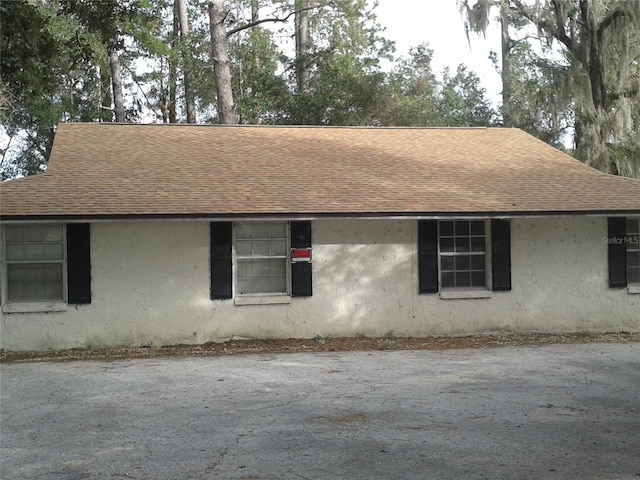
150	284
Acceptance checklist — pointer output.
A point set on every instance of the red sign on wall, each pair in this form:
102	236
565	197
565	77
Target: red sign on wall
300	254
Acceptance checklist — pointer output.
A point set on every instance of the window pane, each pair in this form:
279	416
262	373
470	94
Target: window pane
633	241
477	227
462	263
462	228
463	279
278	230
448	263
261	267
15	252
15	233
477	244
53	251
33	252
35	282
53	233
242	230
260	230
245	268
249	285
271	266
633	274
261	247
279	247
633	225
244	247
446	244
278	266
446	229
477	262
462	244
478	279
33	233
448	279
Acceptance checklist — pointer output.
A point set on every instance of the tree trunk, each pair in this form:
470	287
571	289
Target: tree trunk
255	14
507	99
254	68
185	51
221	68
116	83
302	45
255	9
173	71
106	113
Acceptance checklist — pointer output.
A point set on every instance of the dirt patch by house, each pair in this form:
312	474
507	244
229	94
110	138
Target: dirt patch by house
318	344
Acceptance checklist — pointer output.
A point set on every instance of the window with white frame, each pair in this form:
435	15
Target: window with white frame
35	263
462	252
261	256
633	251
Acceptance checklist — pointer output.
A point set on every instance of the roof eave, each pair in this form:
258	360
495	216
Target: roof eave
211	217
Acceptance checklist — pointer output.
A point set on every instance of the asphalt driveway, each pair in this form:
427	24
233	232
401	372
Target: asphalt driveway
561	411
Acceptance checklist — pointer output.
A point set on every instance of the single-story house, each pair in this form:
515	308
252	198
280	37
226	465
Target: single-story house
165	234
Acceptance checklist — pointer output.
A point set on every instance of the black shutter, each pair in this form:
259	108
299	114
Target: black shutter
427	256
78	263
617	231
301	272
501	254
221	260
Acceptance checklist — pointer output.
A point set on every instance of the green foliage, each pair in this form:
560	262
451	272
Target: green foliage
260	92
462	101
582	77
539	100
55	68
48	76
415	96
54	56
411	91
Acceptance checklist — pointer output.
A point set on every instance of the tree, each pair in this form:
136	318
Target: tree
411	92
336	76
303	44
598	40
540	102
462	101
48	74
185	51
220	58
259	89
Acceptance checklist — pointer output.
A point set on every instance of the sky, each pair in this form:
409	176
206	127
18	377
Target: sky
439	23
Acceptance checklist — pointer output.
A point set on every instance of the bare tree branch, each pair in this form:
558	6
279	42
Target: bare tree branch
6	149
561	33
554	31
270	19
133	77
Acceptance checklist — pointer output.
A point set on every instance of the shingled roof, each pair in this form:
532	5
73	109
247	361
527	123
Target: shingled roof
119	171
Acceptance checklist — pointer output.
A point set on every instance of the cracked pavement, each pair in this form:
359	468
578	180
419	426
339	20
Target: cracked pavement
556	411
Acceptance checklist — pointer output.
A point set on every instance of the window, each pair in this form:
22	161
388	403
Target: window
462	249
261	253
454	257
633	251
35	263
259	266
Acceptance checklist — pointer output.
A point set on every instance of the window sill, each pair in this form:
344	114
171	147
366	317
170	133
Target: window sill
633	288
259	300
463	294
34	307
